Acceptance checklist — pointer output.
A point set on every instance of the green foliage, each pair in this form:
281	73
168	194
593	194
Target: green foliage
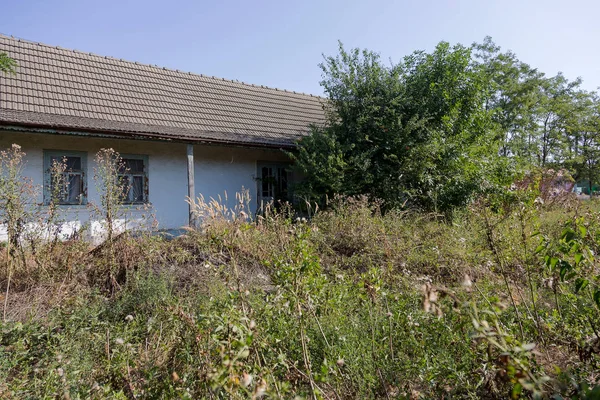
570	258
416	133
7	64
542	121
439	129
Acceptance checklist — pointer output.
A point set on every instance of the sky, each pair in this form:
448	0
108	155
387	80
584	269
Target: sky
279	43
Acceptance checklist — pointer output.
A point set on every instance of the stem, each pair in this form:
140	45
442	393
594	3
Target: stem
390	323
492	245
318	324
554	287
7	288
305	353
10	262
490	305
529	278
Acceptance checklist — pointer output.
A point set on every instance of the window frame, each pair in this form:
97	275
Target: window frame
276	166
47	165
144	175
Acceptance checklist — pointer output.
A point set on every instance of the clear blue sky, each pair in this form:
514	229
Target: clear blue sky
279	43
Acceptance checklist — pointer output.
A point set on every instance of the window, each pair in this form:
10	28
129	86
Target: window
273	182
68	170
134	180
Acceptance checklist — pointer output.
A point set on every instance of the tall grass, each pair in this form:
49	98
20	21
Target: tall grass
352	303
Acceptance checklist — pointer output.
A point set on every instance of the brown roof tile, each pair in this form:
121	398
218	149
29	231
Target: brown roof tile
67	89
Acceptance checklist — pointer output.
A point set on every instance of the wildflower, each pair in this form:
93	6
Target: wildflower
246	379
467	283
261	389
60	371
129	318
252	324
119	341
340	362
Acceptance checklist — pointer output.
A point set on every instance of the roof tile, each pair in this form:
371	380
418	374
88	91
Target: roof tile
70	89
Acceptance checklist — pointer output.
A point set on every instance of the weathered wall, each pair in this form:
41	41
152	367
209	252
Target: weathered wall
218	169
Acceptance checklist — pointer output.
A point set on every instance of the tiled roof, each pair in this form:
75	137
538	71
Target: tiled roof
67	89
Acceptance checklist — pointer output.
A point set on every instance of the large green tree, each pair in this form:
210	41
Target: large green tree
415	133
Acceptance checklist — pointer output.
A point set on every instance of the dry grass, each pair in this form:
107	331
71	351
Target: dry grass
331	306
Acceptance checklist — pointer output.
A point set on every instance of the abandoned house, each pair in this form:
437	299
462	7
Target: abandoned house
180	134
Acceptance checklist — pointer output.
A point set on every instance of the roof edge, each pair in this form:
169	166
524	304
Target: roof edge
131	135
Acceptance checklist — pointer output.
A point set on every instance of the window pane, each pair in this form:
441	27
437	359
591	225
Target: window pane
267	182
73	189
68	186
57	187
71	163
125	187
282	183
133	166
137	189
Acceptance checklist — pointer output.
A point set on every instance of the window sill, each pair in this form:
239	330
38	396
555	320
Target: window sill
88	205
84	205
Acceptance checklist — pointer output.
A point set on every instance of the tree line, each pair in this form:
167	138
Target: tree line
436	130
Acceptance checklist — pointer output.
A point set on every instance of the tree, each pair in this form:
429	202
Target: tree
553	113
584	139
7	64
514	94
415	133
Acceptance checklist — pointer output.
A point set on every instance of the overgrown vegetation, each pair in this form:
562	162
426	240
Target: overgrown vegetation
433	280
353	303
436	130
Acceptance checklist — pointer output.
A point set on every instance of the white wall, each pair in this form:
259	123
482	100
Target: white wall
217	169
